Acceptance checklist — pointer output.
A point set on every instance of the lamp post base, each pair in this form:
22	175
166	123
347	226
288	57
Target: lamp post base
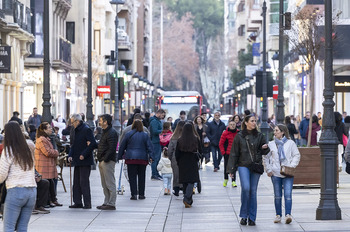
328	211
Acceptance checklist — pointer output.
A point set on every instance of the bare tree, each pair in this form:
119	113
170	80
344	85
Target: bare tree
306	40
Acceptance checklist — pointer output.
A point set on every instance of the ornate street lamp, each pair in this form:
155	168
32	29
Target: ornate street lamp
328	208
135	80
120	93
264	125
46	95
116	122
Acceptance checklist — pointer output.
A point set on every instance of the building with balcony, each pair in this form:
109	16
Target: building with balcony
60	58
16	38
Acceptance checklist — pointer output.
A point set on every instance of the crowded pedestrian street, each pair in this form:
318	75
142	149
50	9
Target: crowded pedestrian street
216	208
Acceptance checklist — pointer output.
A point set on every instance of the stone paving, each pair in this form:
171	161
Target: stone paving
216	208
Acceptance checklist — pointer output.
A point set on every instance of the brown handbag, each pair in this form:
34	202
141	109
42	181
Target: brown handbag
287	171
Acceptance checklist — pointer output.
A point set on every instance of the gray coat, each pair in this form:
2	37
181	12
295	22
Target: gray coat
171	155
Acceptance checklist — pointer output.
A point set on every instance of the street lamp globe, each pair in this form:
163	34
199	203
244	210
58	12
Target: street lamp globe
121	71
152	86
128	75
140	82
110	65
135	78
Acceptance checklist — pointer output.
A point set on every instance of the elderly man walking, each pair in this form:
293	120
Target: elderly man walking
107	157
81	155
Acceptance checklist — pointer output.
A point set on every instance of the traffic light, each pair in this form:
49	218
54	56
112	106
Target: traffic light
287	21
261	102
112	87
259	84
120	89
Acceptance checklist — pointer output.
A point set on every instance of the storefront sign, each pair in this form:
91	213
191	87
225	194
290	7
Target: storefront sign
103	90
5	59
341	83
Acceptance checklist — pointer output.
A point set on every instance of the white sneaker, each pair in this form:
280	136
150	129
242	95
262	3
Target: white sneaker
277	219
288	219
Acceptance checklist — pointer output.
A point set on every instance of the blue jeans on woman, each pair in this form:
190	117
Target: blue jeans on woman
19	205
287	184
249	182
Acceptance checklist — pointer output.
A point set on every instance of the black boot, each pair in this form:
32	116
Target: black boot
243	221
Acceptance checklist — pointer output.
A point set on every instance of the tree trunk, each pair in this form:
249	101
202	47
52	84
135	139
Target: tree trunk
311	101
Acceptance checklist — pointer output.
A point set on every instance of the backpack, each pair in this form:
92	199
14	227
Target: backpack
164	138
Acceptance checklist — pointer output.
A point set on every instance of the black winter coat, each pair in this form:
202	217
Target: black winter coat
214	132
83	134
239	155
107	147
188	164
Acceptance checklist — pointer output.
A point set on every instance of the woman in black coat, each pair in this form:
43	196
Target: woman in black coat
187	158
291	127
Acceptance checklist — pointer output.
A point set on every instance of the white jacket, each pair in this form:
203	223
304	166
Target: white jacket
271	160
164	166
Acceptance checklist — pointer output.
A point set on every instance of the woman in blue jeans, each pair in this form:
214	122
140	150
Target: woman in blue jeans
283	151
241	157
17	168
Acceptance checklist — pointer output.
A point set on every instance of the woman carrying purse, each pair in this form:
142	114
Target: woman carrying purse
283	153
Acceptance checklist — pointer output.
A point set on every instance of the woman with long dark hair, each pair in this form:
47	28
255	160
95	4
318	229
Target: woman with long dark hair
291	127
248	148
238	121
137	150
17	168
201	128
188	150
45	159
171	154
283	152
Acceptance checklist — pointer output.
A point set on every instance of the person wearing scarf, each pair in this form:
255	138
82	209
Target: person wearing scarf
283	152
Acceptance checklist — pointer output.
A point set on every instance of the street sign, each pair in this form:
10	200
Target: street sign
275	92
5	59
250	70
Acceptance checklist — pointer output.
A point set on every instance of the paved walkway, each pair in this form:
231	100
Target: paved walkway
215	209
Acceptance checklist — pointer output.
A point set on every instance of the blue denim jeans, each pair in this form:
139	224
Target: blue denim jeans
167	180
19	205
157	150
249	182
216	153
287	184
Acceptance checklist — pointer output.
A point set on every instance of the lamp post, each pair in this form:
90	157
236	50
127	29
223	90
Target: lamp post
110	69
46	95
280	98
264	125
135	79
89	115
302	62
116	122
328	208
129	79
141	89
120	93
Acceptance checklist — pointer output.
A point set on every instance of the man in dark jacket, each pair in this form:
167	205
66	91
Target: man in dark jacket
181	118
155	128
107	157
304	124
16	118
215	129
81	155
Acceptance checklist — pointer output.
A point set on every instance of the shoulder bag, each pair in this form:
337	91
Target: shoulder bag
255	166
287	171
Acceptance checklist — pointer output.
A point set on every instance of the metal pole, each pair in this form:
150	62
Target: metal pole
46	117
328	208
110	96
89	115
264	125
302	92
280	98
129	94
116	122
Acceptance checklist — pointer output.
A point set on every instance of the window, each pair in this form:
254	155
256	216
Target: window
7	6
241	30
70	32
37	7
97	41
344	6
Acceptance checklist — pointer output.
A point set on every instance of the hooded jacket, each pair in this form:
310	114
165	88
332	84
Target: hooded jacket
164	165
226	140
